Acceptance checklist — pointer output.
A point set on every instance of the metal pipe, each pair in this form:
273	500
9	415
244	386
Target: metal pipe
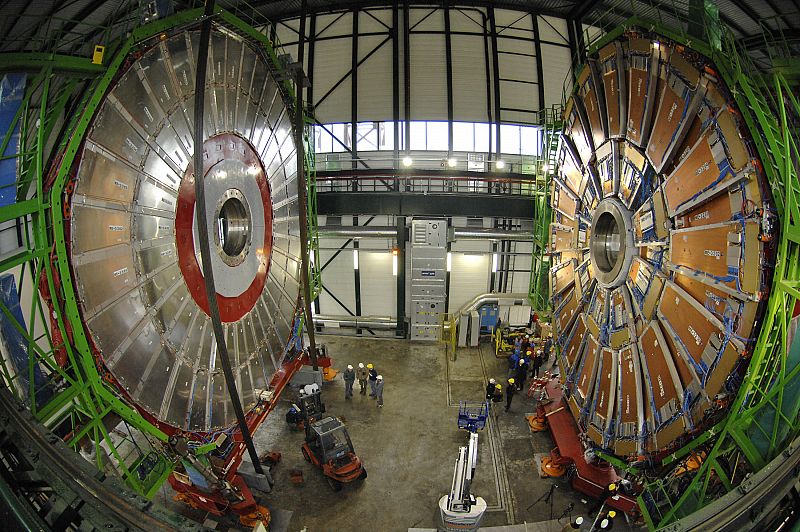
357	322
459	233
358	232
490	298
463	233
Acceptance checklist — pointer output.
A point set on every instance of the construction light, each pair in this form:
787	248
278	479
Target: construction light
494	262
394	265
545	167
451	162
500	164
355	259
449	261
407	161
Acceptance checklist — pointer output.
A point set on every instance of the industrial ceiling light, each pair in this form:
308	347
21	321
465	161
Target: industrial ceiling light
545	167
407	161
451	162
500	164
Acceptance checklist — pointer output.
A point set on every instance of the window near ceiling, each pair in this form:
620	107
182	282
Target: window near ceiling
428	136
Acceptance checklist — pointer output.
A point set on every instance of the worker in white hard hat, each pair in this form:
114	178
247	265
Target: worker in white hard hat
379	390
490	389
575	524
373	377
363	374
349	378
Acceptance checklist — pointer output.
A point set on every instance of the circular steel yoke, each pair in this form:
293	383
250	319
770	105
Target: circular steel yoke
611	242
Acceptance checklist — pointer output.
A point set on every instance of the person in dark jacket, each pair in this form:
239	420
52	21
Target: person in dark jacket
490	389
349	376
498	393
363	374
537	364
548	346
521	374
510	390
379	390
513	361
373	377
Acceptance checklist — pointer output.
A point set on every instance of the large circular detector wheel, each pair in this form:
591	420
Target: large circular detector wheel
134	238
660	246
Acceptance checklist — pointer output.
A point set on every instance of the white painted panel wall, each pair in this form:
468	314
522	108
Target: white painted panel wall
338	277
469	276
470	91
428	77
553	29
378	285
556	66
335	107
374	77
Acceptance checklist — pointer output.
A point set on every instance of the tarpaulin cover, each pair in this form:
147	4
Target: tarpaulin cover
12	89
15	346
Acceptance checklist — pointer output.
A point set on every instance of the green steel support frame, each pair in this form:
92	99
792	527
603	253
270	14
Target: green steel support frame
83	408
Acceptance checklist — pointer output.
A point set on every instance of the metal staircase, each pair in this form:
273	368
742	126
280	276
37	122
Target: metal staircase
551	119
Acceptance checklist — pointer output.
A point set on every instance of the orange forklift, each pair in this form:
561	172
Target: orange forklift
329	448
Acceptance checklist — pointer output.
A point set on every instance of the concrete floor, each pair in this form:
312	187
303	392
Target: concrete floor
410	445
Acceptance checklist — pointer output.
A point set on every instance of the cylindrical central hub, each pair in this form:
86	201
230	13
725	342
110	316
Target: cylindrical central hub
232	236
611	243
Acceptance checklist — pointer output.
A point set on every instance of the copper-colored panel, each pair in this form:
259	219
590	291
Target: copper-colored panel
563	277
737	150
719	374
697	172
564	203
628	387
574	130
692	136
656	360
571	174
704	249
669	433
638	81
685	373
668	119
573	347
715	211
560	238
690	324
588	365
567	313
589	94
611	86
606	377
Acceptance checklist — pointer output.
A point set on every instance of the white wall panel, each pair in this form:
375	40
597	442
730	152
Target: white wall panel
378	285
337	54
374	78
469	276
428	77
468	19
556	67
374	20
338	277
553	29
470	91
513	23
340	24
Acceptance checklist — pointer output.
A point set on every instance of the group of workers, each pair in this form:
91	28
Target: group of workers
520	361
364	375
